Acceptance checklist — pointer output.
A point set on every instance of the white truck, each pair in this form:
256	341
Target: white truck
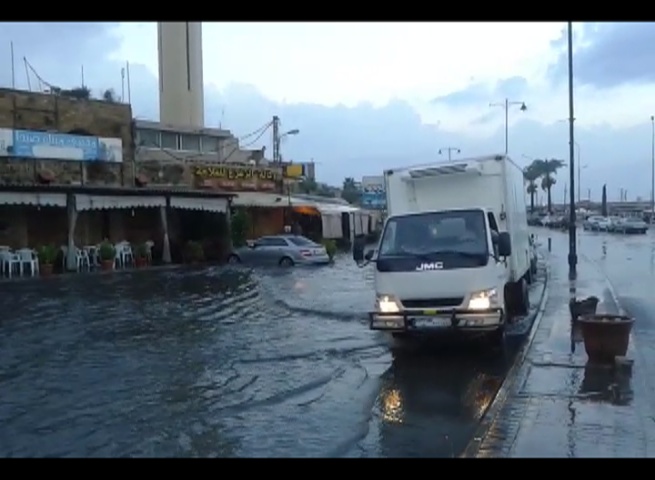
455	249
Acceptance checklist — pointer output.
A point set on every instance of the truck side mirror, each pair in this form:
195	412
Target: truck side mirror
358	251
504	244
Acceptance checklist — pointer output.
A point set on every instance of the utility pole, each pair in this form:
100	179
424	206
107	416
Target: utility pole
450	150
276	139
573	256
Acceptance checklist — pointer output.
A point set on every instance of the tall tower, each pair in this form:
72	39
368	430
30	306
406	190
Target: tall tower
181	96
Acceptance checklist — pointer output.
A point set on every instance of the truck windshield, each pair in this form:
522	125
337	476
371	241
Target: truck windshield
449	232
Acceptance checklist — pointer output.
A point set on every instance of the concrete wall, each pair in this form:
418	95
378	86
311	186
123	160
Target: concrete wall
181	94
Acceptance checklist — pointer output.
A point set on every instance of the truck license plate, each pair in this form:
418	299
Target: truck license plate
437	322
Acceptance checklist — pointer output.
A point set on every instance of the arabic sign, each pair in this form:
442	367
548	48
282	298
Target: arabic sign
237	178
373	193
60	146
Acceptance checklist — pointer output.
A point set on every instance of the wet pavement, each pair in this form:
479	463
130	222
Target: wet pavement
226	362
557	405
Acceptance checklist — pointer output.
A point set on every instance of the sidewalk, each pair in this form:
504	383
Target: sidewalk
555	406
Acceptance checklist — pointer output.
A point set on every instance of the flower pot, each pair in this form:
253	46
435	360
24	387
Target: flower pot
140	262
107	264
605	336
45	269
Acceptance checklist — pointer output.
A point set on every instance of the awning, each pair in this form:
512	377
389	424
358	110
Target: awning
334	208
206	204
269	200
109	202
36	199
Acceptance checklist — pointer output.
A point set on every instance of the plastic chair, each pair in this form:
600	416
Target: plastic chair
29	257
10	260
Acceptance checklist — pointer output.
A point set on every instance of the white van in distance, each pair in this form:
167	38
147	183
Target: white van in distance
455	249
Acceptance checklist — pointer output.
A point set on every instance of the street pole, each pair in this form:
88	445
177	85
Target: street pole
579	173
652	170
276	139
450	150
506	106
573	257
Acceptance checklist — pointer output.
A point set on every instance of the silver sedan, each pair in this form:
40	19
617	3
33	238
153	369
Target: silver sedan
282	250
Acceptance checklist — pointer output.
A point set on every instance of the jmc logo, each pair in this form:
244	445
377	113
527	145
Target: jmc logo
429	266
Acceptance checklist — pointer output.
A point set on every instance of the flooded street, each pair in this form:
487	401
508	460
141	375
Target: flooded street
225	362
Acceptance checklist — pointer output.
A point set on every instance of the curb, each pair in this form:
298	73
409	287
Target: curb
493	410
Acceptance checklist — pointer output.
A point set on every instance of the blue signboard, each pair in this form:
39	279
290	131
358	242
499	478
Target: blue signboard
374	200
30	144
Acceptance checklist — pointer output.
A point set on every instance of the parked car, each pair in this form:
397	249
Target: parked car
602	224
615	224
282	250
631	225
591	223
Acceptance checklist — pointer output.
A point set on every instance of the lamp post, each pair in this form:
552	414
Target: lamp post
506	104
573	257
450	150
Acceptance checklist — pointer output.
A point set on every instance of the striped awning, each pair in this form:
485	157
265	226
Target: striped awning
30	198
206	204
112	202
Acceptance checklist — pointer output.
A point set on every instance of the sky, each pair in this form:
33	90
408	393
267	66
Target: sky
370	96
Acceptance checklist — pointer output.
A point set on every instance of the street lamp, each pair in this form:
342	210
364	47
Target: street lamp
506	104
450	150
573	257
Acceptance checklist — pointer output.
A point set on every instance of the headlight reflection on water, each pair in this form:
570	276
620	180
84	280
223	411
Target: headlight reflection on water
392	406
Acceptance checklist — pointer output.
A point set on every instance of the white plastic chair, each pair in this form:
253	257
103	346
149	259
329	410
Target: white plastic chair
149	244
124	255
29	257
81	259
9	261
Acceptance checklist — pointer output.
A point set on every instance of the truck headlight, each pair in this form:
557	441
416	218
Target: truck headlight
387	304
483	300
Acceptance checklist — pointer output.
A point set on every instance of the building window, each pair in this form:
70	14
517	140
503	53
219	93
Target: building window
169	140
190	142
148	138
209	144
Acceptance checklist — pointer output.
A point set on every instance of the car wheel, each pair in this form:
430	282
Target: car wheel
233	259
286	262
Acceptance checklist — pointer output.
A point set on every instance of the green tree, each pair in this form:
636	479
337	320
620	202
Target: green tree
350	192
240	226
547	170
531	175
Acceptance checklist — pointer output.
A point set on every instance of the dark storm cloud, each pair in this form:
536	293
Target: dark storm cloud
612	54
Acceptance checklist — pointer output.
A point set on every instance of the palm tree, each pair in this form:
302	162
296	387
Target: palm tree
548	170
531	175
349	191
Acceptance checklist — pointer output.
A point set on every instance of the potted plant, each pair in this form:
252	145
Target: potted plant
605	336
47	257
193	252
107	254
330	248
141	255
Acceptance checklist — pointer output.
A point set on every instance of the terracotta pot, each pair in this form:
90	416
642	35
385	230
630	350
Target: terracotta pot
579	308
45	269
140	262
107	264
605	336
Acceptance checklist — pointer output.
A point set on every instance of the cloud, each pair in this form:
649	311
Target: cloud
363	138
609	54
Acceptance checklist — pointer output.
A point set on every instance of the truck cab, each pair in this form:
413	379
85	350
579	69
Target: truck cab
446	258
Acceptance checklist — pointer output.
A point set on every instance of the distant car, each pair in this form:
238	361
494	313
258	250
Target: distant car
591	223
631	225
615	224
602	224
282	250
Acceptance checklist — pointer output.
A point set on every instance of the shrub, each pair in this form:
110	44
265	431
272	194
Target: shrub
330	247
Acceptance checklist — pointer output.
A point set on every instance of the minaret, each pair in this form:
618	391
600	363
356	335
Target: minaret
181	96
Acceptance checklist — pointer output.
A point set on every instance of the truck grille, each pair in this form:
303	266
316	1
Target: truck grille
433	302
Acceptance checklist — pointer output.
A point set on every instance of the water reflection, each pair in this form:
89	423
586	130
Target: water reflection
606	384
430	403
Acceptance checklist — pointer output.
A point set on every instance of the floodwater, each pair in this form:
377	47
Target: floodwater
225	362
